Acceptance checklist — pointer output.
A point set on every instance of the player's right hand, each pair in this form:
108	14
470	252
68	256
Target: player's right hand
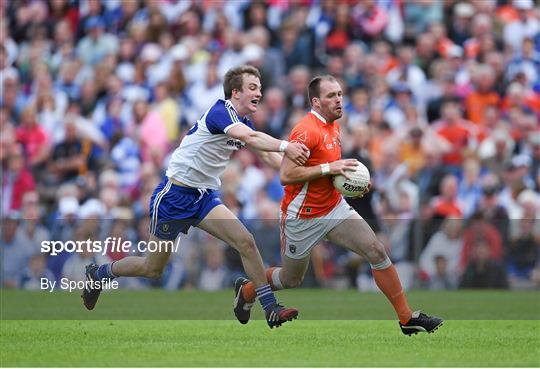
297	152
343	166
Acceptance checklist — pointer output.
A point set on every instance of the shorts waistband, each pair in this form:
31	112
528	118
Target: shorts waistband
179	186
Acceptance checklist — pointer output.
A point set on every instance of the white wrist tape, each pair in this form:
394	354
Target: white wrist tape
325	169
283	145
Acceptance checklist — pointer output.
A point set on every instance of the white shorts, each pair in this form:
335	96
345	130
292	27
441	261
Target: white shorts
300	235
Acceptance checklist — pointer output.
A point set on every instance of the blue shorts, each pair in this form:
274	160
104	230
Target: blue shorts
174	208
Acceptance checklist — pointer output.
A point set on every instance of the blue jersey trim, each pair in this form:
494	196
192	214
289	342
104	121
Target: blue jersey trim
221	116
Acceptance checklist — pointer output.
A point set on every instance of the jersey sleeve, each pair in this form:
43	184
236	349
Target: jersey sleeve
220	119
301	133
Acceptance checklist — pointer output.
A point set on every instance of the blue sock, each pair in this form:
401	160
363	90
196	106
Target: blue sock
266	296
105	271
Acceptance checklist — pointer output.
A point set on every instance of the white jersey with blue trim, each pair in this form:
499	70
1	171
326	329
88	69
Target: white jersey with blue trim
205	151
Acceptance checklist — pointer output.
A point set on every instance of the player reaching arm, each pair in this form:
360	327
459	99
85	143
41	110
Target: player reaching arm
188	197
269	146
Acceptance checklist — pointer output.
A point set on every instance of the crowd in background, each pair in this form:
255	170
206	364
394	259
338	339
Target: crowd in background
442	103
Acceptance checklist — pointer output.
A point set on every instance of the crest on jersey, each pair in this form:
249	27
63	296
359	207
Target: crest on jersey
292	249
302	137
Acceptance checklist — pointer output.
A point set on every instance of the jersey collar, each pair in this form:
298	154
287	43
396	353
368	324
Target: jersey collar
229	104
318	116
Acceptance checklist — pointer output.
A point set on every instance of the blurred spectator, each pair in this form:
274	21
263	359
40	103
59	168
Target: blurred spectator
527	25
214	274
149	129
527	61
429	177
483	95
489	205
274	99
459	24
93	47
443	250
442	280
446	204
14	250
408	72
68	156
340	34
265	230
201	91
482	270
418	14
33	138
359	151
497	149
369	20
456	131
31	232
36	270
358	109
168	109
17	180
297	89
469	187
480	232
295	44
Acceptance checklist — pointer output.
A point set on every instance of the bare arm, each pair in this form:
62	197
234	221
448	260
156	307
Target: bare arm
291	173
261	141
254	139
272	159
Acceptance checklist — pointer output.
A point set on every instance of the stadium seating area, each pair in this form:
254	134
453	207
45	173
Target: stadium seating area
442	104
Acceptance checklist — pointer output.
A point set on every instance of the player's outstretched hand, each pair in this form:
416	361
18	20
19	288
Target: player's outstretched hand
297	152
342	166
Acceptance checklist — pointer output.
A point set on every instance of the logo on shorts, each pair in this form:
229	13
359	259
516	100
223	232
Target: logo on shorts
292	249
165	228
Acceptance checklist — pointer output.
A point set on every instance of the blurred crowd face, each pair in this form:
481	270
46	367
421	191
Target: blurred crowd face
28	117
361	136
30	206
449	187
9	229
274	99
452	228
451	112
330	102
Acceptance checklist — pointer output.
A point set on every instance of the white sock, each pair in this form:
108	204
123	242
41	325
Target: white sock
275	279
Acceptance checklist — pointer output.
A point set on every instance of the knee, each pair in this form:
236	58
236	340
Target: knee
152	272
292	281
245	244
375	252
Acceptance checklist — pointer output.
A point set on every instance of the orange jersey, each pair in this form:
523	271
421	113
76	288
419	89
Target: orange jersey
318	197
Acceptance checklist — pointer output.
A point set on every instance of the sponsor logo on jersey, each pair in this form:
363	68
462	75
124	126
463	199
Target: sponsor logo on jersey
236	143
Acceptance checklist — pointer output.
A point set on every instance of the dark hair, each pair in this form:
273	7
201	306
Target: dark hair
235	77
314	87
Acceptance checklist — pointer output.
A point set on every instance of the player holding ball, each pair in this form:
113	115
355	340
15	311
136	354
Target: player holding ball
313	209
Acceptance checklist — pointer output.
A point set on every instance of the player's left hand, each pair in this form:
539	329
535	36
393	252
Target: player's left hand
368	188
297	152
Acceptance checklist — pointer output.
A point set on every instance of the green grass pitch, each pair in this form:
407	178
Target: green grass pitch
335	328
